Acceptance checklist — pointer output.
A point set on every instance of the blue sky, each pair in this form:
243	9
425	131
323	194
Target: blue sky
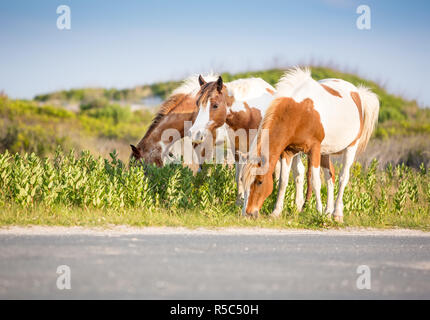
127	43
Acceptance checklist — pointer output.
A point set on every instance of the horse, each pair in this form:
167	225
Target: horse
320	118
241	105
173	113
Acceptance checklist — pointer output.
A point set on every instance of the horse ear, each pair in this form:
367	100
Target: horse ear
135	151
201	80
219	84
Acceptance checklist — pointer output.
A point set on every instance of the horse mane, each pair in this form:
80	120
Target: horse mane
292	79
191	84
165	108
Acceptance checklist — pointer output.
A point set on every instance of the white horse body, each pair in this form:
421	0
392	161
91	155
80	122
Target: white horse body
339	115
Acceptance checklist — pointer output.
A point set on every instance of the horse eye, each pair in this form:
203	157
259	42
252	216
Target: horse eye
215	106
259	182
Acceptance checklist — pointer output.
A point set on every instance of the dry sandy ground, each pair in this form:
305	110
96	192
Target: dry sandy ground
127	230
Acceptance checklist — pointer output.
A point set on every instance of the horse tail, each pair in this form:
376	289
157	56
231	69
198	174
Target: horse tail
370	105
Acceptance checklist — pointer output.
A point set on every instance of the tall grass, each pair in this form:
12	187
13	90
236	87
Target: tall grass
43	190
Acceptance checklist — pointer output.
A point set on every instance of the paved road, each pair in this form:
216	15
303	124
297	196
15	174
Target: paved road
214	265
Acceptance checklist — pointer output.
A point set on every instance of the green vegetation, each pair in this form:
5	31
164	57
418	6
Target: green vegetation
26	126
161	89
84	190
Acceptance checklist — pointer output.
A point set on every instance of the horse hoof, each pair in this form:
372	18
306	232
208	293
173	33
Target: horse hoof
275	214
338	219
328	211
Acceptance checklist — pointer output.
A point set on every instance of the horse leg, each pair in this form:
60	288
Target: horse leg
328	170
348	159
283	183
299	179
314	164
240	189
277	172
309	182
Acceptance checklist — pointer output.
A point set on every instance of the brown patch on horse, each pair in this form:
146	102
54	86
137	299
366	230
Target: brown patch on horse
327	164
331	91
356	97
304	127
270	91
247	120
229	100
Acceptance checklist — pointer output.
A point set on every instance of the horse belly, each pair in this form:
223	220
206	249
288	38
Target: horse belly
341	123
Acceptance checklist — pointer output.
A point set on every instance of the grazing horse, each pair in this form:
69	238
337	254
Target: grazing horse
241	104
327	117
178	108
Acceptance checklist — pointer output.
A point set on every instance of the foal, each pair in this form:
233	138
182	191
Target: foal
328	117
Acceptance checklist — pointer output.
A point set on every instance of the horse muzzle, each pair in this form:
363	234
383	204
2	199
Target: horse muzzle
198	136
252	214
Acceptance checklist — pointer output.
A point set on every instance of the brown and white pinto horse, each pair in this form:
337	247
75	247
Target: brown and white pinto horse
178	108
328	117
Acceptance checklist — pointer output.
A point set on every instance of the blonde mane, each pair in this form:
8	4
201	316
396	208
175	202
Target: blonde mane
251	165
191	84
292	79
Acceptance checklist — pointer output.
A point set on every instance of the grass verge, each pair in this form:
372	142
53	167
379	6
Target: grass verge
91	217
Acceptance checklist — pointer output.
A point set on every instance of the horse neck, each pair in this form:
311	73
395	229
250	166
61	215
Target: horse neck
185	111
169	121
279	138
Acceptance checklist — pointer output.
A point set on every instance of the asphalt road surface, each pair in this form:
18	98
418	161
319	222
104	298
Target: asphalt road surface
181	264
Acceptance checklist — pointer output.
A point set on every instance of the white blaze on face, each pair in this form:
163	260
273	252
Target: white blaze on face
201	123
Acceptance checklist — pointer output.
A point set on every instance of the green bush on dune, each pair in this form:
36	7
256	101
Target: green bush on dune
27	127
